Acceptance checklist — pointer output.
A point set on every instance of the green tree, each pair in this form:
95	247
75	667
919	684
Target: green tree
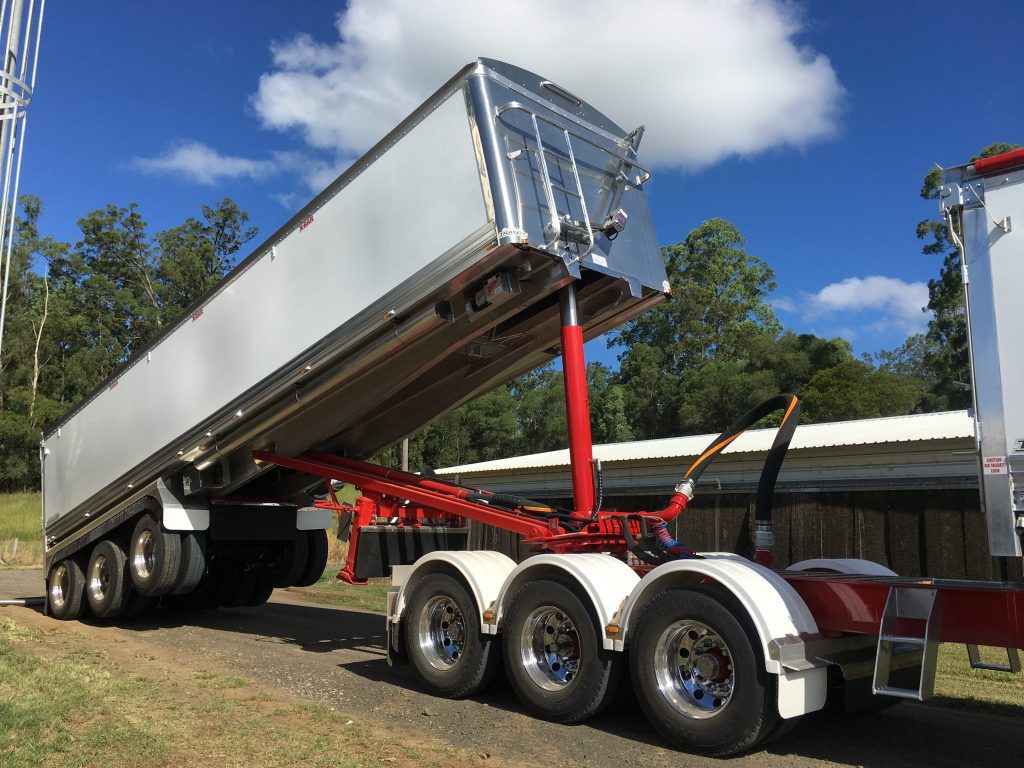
77	313
718	300
29	352
855	390
608	420
196	254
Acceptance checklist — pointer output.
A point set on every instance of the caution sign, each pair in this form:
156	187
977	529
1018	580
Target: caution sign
993	465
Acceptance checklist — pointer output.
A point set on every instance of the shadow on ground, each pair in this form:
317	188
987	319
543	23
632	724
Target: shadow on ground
910	734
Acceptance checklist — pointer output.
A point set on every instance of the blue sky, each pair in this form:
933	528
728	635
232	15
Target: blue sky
810	126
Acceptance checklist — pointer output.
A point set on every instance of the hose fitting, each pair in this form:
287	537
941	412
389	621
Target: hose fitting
686	488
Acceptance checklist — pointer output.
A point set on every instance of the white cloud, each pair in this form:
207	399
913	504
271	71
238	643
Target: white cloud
892	304
199	163
709	79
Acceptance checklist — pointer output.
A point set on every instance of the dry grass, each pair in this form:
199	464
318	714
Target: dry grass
64	702
21	536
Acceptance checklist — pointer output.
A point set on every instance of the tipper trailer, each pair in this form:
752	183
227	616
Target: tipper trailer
500	225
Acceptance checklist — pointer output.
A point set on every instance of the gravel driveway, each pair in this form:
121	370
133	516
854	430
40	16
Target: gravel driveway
336	657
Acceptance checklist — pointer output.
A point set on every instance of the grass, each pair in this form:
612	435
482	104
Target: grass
372	597
62	707
956	684
20	521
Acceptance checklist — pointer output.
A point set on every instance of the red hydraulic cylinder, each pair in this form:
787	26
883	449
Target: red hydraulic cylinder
577	406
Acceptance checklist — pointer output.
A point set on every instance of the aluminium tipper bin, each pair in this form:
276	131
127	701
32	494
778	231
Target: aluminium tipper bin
423	276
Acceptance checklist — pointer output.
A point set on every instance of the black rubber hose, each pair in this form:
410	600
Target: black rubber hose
772	465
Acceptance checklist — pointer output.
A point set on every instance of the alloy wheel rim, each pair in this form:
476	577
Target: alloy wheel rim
59	586
144	554
442	632
99	578
694	669
550	648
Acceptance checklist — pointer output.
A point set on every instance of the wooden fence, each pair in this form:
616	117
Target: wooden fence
937	533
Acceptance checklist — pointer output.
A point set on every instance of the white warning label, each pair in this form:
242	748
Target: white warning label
993	465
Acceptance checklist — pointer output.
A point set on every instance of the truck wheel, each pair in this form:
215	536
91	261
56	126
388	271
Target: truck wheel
296	553
442	634
553	657
154	557
316	559
106	580
263	589
698	672
193	563
236	587
66	590
138	604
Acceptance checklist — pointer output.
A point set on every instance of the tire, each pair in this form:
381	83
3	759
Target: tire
65	593
699	673
446	647
316	559
294	565
236	587
263	589
107	586
137	604
193	562
568	683
154	557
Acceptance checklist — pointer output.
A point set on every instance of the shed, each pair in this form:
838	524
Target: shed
901	490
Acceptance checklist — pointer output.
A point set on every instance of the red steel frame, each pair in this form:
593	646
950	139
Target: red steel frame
982	613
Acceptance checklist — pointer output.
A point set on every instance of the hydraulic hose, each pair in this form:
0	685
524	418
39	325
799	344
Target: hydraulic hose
763	537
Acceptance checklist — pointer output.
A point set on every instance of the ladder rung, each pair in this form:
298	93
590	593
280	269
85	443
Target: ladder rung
900	693
904	639
1012	665
570	192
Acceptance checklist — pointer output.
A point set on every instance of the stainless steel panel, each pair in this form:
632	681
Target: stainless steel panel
412	204
995	262
328	337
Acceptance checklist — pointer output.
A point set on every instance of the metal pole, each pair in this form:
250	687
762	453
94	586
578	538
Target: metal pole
405	455
577	405
15	94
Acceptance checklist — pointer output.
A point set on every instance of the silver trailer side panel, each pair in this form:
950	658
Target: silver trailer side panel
358	246
993	238
360	320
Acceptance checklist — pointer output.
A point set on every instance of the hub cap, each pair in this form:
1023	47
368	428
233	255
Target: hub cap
442	632
59	586
693	666
144	554
550	648
99	578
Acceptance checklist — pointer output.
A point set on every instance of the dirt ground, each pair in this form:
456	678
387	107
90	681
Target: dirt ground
336	657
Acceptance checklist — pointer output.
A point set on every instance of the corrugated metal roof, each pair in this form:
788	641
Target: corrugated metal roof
893	429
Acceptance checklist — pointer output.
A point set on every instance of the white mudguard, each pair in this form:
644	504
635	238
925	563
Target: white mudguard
774	607
849	565
483	571
606	581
